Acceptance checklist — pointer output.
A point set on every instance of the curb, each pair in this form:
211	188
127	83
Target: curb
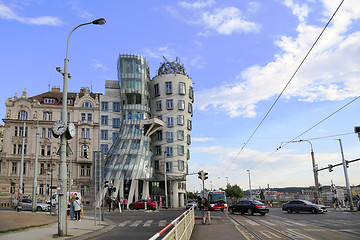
96	233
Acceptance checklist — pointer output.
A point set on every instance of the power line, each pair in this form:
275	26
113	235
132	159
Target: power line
287	84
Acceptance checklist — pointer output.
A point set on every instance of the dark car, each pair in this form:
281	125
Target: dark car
249	207
141	205
303	206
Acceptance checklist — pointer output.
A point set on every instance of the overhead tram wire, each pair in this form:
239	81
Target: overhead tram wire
287	84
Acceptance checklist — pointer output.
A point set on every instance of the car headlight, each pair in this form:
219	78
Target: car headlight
225	205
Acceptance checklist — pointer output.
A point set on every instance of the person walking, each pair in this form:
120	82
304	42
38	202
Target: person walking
122	203
77	208
125	203
202	206
109	201
207	212
72	200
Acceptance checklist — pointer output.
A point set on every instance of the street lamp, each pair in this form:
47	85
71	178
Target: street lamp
314	171
62	231
34	192
249	185
210	185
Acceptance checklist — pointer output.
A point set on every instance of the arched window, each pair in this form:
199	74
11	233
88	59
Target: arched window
87	105
23	115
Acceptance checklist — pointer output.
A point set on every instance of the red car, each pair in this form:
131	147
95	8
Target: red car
141	205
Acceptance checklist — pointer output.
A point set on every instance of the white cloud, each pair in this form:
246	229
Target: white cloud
197	4
160	52
99	66
330	73
9	14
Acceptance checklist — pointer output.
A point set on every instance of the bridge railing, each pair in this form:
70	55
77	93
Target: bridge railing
182	227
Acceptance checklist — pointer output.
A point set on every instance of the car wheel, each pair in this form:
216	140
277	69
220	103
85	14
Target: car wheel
38	209
231	210
314	210
250	211
262	214
131	207
289	210
148	207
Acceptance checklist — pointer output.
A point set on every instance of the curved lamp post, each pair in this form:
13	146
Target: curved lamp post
62	231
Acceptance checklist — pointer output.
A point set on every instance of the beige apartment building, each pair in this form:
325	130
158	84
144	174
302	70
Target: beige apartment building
23	115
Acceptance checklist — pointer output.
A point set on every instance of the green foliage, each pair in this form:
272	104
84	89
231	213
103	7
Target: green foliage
191	195
234	191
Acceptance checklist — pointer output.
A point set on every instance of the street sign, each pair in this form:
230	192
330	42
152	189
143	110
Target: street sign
53	187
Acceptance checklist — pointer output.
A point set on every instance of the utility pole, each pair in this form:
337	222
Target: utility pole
34	192
249	184
166	195
346	177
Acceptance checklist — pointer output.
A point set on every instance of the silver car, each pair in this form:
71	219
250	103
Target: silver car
26	204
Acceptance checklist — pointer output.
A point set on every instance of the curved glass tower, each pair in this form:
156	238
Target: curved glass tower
128	164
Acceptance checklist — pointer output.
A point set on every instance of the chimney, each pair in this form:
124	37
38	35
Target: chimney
55	89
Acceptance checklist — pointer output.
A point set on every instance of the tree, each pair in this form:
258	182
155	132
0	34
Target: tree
191	195
234	191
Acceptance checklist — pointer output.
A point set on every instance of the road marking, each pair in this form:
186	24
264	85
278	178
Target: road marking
297	234
235	223
296	223
265	233
242	233
162	223
252	223
136	223
123	223
148	223
268	223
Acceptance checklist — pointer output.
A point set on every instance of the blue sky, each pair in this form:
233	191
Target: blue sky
239	54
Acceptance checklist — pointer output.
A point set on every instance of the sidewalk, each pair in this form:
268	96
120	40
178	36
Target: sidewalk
47	226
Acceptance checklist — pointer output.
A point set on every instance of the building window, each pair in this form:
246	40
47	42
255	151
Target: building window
180	134
114	136
180	150
104	106
168	87
13	167
189	125
159	117
158	150
42	150
181	105
12	187
87	105
191	92
89	117
116	106
70	102
170	121
181	165
21	131
188	139
104	134
22	115
85	151
82	170
169	167
83	116
156	90
14	149
158	105
104	120
188	154
169	104
159	135
82	190
87	133
157	165
116	122
49	133
169	151
182	88
49	100
135	144
48	152
47	116
16	131
104	148
88	170
43	133
41	189
42	168
169	136
180	119
190	108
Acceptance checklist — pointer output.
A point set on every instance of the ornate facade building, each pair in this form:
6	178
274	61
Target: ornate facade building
23	116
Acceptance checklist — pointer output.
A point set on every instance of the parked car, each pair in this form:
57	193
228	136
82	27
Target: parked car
26	204
249	207
189	204
141	205
303	206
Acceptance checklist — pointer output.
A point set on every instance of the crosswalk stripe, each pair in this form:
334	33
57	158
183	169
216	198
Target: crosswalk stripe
136	223
123	223
268	223
148	223
252	223
162	223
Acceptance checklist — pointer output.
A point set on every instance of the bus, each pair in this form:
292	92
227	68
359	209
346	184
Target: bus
217	200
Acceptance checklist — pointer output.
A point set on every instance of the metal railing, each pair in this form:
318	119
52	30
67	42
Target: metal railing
183	227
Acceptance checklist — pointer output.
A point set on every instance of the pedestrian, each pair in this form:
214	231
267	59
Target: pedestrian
109	201
207	211
122	203
77	208
72	200
202	206
125	203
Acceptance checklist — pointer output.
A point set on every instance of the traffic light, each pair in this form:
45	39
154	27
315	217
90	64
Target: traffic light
205	175
330	167
347	164
106	184
200	174
114	189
